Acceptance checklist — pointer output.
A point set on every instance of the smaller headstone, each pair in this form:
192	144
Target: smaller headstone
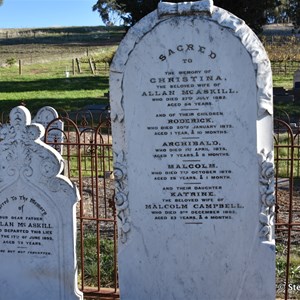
45	116
37	216
282	96
297	85
297	79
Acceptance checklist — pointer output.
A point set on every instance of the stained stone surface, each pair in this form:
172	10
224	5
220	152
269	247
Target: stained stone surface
45	116
191	105
37	216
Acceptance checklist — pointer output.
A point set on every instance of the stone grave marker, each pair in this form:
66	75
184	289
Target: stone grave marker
37	216
296	85
45	116
191	106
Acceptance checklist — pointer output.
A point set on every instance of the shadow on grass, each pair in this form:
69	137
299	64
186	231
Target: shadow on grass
291	109
61	105
55	84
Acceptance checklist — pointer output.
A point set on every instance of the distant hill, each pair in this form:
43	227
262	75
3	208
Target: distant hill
84	35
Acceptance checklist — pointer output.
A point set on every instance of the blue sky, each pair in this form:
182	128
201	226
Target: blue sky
48	13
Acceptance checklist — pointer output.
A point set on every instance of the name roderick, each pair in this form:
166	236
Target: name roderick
190	121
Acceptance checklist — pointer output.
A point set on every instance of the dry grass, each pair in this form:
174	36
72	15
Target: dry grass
53	44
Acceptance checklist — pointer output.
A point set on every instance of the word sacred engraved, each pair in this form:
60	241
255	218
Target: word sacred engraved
188	48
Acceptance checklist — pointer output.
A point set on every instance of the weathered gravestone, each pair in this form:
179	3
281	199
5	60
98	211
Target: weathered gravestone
37	216
191	104
45	116
296	86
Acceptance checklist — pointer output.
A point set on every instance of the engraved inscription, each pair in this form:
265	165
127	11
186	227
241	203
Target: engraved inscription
24	232
191	134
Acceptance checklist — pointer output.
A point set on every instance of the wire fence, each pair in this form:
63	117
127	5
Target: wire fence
285	68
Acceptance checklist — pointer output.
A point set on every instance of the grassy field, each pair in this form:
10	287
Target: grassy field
283	81
46	56
47	84
49	44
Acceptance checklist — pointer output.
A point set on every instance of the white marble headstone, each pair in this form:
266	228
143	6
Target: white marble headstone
37	216
45	116
191	105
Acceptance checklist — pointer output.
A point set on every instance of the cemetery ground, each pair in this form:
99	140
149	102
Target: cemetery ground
44	81
46	84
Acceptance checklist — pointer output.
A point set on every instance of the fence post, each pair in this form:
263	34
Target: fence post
92	66
20	67
78	65
285	68
73	66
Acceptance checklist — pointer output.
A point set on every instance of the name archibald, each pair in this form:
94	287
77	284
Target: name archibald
190	143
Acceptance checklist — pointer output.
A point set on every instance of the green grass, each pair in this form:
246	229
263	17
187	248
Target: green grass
282	154
88	163
46	55
106	261
46	84
294	270
283	81
291	108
